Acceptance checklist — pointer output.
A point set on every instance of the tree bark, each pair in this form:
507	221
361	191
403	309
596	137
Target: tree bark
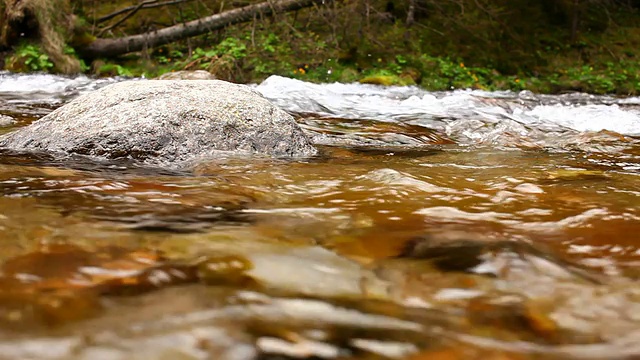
411	13
118	46
575	20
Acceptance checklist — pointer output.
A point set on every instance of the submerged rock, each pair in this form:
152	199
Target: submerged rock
493	258
165	122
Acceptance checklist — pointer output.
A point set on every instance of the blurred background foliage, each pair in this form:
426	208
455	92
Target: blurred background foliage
541	45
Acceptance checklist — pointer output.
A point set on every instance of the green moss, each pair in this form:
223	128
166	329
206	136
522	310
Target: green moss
387	80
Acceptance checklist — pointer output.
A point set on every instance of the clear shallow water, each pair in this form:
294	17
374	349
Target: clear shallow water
454	225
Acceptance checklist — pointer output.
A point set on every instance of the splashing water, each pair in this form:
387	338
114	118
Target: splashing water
469	117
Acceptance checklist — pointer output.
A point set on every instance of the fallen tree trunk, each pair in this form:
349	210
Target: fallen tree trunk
127	44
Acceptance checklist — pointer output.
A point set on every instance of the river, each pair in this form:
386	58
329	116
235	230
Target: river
454	225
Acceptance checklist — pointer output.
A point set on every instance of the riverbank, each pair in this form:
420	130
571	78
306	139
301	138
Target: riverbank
539	47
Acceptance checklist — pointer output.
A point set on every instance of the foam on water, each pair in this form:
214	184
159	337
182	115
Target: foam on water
590	117
42	83
466	116
46	88
580	112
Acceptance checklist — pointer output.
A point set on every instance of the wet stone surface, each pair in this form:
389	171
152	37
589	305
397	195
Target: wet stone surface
168	123
461	225
6	120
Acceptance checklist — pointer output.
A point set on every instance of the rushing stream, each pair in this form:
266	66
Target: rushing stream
455	225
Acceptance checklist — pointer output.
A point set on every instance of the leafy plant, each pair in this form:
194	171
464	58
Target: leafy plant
231	46
114	70
270	42
33	58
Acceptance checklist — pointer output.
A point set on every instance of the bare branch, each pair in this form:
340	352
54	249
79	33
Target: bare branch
124	18
148	4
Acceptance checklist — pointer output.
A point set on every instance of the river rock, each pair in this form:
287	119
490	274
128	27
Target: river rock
165	122
187	75
6	120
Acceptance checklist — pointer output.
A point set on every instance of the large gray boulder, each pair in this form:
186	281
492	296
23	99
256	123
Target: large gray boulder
165	122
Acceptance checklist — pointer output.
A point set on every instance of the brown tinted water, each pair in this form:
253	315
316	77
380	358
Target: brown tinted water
399	241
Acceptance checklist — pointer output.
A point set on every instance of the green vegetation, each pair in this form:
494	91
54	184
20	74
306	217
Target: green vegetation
48	21
114	70
545	46
29	57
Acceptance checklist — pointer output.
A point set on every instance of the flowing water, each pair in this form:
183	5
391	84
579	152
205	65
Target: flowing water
454	225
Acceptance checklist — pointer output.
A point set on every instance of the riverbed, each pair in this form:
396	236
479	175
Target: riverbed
455	225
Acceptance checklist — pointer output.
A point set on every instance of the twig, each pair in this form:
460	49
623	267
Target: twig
145	5
253	31
124	18
293	30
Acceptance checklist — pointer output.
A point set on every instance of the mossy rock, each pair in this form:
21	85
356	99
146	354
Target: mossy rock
387	80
